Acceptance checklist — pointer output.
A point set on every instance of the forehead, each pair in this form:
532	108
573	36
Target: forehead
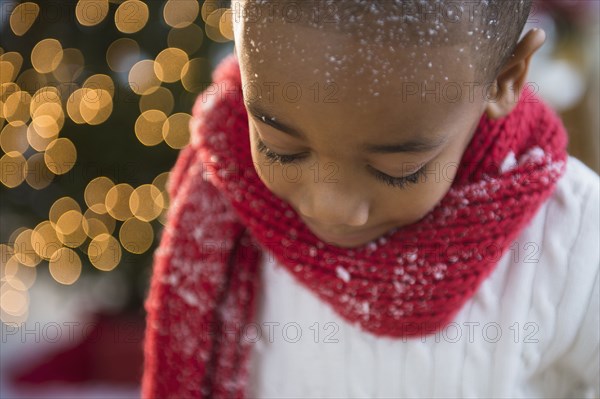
357	68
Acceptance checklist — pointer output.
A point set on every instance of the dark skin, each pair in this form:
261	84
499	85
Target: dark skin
347	193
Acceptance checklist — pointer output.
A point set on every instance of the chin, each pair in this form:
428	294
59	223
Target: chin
348	240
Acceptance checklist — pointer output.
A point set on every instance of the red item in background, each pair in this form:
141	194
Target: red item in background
110	352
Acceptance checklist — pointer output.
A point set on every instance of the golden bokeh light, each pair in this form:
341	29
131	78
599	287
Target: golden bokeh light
38	175
117	201
61	206
146	202
45	95
23	17
13	137
69	229
74	104
91	12
226	24
180	13
100	81
16	107
53	83
15	233
46	55
142	78
6	71
131	16
31	80
96	106
60	156
193	74
149	127
92	226
162	218
6	251
122	54
208	7
48	119
13	321
161	100
6	90
98	223
44	240
213	26
189	39
168	64
176	132
75	238
104	252
24	251
46	126
136	235
18	276
14	302
65	266
71	66
160	181
13	169
16	60
36	140
95	193
68	222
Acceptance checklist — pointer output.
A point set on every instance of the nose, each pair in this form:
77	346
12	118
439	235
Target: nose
330	204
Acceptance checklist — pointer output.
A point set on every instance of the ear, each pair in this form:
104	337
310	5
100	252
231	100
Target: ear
504	93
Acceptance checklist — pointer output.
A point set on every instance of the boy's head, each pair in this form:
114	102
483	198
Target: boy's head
360	111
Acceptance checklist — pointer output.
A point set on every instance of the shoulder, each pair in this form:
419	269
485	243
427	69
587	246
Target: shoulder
572	213
565	233
571	235
578	185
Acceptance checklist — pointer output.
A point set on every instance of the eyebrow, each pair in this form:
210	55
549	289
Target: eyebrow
416	145
413	146
263	116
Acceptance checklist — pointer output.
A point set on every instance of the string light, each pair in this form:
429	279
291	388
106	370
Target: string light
56	88
23	17
180	13
131	16
91	12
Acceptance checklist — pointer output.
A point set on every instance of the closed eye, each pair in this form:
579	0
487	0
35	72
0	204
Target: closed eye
399	182
283	159
275	157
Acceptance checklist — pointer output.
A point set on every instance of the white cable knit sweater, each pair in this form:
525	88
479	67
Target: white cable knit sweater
531	330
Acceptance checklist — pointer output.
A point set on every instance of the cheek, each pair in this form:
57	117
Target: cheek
411	204
440	176
273	176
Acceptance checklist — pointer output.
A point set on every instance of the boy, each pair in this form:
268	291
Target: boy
337	183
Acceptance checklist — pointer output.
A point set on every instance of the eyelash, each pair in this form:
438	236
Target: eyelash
275	157
399	182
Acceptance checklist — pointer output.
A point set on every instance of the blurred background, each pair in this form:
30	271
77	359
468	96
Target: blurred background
95	99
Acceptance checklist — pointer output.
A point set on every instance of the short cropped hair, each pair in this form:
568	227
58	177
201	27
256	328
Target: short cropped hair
491	28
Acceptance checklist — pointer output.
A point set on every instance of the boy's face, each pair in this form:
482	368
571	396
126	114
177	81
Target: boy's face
339	111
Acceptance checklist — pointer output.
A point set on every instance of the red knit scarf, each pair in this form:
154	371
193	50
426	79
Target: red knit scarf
410	282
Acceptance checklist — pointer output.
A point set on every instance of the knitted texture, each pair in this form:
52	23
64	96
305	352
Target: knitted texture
410	282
